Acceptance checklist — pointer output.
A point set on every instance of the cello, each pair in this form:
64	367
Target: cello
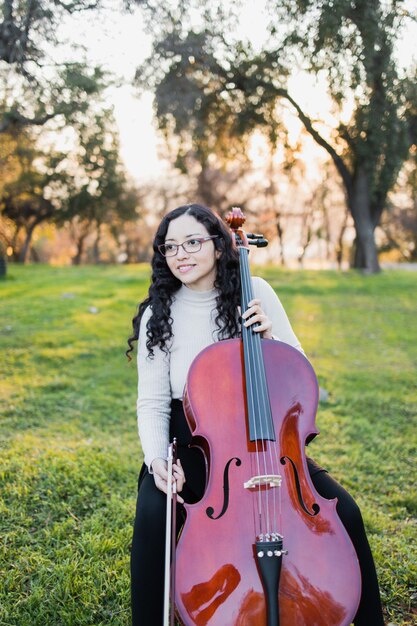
261	547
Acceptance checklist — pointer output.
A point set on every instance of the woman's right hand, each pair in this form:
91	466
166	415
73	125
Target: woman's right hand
160	474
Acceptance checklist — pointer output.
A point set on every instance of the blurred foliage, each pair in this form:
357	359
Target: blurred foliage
86	187
400	221
39	81
24	198
54	97
213	89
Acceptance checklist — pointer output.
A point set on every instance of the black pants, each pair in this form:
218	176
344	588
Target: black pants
148	547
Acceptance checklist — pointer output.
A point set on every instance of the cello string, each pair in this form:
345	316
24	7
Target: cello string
265	410
257	399
251	388
272	450
263	402
249	385
274	447
271	454
260	407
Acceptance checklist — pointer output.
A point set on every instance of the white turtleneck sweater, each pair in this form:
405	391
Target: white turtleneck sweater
163	377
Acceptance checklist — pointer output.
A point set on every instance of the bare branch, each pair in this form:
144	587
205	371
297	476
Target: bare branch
337	159
15	118
73	7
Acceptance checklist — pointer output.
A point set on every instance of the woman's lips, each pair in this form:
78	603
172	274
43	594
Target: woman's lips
183	269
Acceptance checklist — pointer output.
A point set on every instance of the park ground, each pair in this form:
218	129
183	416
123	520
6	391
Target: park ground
70	453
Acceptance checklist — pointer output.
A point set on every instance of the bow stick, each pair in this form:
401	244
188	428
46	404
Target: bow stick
170	538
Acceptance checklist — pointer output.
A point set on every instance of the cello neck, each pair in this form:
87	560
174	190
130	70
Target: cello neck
260	420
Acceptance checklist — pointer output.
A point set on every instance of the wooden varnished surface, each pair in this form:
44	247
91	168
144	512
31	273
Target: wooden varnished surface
217	580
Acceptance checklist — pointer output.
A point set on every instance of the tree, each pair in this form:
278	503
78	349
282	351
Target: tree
98	192
48	86
36	87
399	225
87	185
27	200
209	85
9	169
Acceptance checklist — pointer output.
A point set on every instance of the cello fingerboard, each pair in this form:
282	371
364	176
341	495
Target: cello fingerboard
260	422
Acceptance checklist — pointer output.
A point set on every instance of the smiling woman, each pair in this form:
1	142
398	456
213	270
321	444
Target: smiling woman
194	260
193	302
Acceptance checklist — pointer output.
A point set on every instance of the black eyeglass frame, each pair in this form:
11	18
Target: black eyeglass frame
201	240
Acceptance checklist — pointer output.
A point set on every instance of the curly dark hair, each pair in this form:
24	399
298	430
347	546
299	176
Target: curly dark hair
164	284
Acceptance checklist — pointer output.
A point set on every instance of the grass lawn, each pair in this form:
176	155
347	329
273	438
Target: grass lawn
70	453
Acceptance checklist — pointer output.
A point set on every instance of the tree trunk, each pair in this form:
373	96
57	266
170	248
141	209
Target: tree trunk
271	194
365	253
305	239
280	234
14	244
23	254
326	228
3	263
76	260
96	245
205	186
339	243
34	256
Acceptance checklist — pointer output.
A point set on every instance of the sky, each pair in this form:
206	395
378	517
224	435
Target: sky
118	41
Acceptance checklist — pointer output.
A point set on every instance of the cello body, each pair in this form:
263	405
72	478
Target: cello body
218	564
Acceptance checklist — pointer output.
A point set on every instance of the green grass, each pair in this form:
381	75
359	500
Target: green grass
70	453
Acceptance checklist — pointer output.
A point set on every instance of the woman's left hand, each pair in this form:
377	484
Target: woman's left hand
255	314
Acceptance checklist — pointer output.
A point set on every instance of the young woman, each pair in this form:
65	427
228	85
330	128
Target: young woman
193	301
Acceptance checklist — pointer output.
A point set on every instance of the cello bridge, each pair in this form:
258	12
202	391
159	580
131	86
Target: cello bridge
268	480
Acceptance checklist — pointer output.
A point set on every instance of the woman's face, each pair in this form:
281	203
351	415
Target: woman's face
196	270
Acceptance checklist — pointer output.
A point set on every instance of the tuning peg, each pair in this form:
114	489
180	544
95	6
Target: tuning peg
254	236
259	243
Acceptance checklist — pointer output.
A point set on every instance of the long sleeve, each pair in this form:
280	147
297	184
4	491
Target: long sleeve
272	307
154	397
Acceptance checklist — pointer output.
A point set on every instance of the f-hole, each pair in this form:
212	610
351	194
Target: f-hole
315	507
226	490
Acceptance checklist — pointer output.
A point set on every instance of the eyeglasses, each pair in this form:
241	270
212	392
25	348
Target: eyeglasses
190	246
